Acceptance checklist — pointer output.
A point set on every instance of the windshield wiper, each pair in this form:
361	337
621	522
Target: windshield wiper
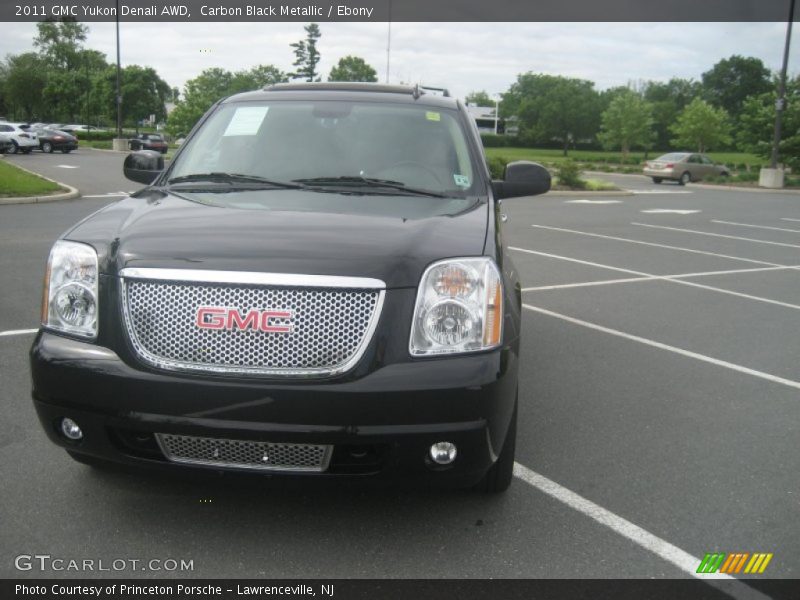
357	180
234	178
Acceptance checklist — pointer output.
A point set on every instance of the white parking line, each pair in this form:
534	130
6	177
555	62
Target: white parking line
687	353
669	211
656	245
587	201
681	559
17	332
650	278
638	192
720	235
671	278
788	219
756	226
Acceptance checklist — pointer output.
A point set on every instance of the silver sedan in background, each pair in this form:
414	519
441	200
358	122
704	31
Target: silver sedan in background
683	167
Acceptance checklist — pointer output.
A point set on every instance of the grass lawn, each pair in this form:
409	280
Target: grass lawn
553	155
16	182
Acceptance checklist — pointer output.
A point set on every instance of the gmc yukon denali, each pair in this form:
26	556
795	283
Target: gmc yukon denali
317	285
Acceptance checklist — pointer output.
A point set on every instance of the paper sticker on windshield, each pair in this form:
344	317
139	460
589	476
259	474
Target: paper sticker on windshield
433	116
461	180
246	120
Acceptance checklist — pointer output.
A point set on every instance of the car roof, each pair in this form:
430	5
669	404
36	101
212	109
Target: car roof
352	91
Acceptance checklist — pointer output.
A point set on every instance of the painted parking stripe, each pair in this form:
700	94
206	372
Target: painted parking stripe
756	226
586	201
17	332
639	192
654	344
671	278
67	167
656	245
651	278
719	235
668	211
788	219
638	535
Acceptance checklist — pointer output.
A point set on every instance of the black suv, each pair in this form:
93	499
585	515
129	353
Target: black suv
316	285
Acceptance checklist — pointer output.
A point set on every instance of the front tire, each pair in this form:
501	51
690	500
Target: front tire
14	147
499	476
66	150
685	178
47	147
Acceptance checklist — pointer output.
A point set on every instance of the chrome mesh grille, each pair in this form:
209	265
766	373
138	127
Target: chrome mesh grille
330	327
246	454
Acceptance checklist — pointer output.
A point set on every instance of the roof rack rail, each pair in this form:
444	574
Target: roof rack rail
416	90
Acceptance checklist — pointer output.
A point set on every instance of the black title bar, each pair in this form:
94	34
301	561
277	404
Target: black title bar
396	10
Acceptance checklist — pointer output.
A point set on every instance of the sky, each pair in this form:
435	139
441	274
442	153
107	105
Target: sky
459	56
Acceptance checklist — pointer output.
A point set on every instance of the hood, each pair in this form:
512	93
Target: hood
391	238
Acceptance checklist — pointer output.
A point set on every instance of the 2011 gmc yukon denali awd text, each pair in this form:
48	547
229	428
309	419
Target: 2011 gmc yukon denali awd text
316	285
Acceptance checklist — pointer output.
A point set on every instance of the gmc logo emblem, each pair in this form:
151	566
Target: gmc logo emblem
220	317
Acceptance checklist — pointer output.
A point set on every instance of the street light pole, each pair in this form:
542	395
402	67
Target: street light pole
389	43
780	104
119	90
496	112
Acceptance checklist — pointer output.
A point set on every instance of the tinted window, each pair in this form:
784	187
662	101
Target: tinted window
420	146
673	157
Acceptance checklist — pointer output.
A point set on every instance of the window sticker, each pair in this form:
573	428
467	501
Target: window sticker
433	116
246	120
461	180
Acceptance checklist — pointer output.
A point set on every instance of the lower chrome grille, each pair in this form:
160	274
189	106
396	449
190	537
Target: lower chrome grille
244	454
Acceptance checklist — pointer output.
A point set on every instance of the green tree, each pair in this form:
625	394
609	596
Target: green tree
757	122
352	68
732	80
479	98
668	99
306	54
200	93
60	42
551	109
25	80
627	123
701	126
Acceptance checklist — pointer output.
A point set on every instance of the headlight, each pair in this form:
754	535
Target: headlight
459	308
70	290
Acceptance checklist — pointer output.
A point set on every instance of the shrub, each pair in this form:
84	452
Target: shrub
491	140
497	166
569	175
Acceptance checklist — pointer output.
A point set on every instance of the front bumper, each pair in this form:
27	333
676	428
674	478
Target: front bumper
380	424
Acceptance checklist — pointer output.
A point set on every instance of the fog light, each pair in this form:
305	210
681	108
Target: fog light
70	429
443	453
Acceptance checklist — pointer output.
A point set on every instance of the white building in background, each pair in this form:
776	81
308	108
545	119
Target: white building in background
485	118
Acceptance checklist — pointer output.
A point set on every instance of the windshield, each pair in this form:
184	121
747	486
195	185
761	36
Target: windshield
335	144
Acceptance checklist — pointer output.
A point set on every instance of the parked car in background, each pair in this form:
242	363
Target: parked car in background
683	167
22	138
77	128
52	139
5	144
148	141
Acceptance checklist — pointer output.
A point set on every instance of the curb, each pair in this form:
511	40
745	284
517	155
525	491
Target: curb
733	188
105	150
71	194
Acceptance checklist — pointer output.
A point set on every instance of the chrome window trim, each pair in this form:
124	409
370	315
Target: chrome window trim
264	279
253	278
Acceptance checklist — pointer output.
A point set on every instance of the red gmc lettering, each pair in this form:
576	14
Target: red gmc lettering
209	317
216	317
275	314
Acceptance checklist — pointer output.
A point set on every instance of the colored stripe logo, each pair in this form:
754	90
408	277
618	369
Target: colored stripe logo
734	562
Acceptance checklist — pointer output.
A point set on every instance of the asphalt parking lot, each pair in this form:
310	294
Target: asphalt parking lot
659	415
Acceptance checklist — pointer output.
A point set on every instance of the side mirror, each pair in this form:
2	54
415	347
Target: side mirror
522	178
143	166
